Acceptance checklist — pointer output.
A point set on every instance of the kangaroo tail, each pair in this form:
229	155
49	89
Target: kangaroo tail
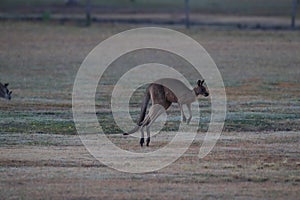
144	108
142	115
132	131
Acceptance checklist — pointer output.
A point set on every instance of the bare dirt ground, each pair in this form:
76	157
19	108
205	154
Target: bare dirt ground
242	165
257	156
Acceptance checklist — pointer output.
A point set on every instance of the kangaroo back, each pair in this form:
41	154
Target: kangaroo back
177	91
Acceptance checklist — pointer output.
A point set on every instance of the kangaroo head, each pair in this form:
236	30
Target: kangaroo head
200	89
4	92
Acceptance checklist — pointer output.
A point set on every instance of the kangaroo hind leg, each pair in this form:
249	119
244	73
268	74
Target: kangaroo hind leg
190	113
142	140
148	136
144	123
154	112
182	113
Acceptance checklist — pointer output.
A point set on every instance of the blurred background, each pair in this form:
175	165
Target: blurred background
234	13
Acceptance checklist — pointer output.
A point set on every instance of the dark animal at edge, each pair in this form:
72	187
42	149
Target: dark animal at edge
4	91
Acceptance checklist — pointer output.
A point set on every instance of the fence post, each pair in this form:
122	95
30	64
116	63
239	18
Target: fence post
187	14
88	18
294	11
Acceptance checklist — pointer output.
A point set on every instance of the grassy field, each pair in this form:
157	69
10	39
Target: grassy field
257	156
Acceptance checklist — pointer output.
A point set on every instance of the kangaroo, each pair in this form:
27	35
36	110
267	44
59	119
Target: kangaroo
163	93
4	92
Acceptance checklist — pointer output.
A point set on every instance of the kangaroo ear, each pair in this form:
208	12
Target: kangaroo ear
10	92
199	83
202	82
6	84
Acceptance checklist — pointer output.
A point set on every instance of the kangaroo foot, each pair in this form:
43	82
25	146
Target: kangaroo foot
148	141
142	141
184	119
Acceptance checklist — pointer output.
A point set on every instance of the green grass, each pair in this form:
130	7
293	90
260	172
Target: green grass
40	62
57	122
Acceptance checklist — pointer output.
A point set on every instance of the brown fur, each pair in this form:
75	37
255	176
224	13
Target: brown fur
164	92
